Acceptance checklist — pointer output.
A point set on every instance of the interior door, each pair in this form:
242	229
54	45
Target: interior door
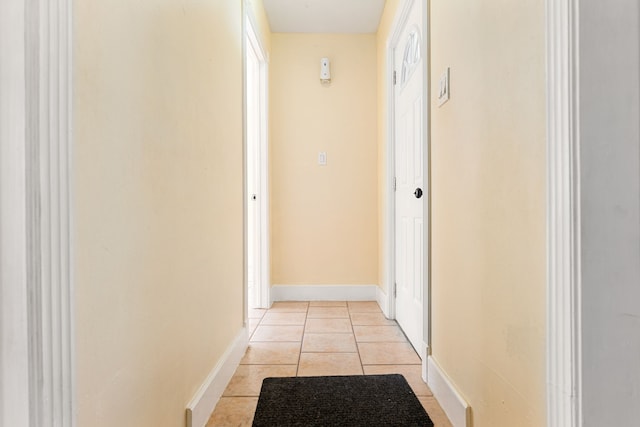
410	191
253	176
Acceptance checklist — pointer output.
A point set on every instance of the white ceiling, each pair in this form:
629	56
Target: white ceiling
324	16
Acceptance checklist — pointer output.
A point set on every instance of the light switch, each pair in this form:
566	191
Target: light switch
443	90
322	158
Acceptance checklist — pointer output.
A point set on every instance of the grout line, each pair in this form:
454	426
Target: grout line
357	346
304	328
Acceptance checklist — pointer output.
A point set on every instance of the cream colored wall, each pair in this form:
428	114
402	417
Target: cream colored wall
488	207
324	218
383	34
157	210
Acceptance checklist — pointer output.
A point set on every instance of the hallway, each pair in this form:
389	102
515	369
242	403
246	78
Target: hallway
123	216
320	338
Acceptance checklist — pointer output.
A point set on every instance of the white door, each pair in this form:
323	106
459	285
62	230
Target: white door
411	185
253	174
256	170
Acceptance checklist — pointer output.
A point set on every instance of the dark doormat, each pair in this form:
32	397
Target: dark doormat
362	400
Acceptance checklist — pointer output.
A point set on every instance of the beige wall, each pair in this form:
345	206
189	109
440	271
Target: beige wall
324	218
386	21
488	207
157	184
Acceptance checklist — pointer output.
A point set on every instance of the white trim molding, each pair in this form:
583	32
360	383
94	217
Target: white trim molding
52	309
383	301
41	78
457	409
201	407
563	216
53	304
324	292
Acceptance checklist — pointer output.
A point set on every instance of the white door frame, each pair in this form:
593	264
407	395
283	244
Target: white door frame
564	329
400	20
252	39
36	288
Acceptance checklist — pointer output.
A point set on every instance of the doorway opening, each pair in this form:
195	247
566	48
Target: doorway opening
256	169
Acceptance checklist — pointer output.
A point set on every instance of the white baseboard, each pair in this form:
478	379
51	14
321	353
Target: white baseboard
383	301
424	356
456	408
204	402
323	292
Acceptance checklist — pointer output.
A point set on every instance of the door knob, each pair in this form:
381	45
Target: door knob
418	193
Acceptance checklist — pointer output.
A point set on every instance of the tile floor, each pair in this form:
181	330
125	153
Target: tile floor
320	338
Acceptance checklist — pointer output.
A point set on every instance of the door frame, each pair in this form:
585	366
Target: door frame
389	228
36	290
252	39
564	304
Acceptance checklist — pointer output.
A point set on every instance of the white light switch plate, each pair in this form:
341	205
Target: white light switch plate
322	158
443	90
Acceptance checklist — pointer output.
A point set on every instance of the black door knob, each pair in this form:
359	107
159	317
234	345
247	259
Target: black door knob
418	193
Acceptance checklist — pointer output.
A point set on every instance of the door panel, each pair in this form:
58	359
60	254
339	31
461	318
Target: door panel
253	175
409	165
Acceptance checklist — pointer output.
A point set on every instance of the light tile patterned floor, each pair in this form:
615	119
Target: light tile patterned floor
320	338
